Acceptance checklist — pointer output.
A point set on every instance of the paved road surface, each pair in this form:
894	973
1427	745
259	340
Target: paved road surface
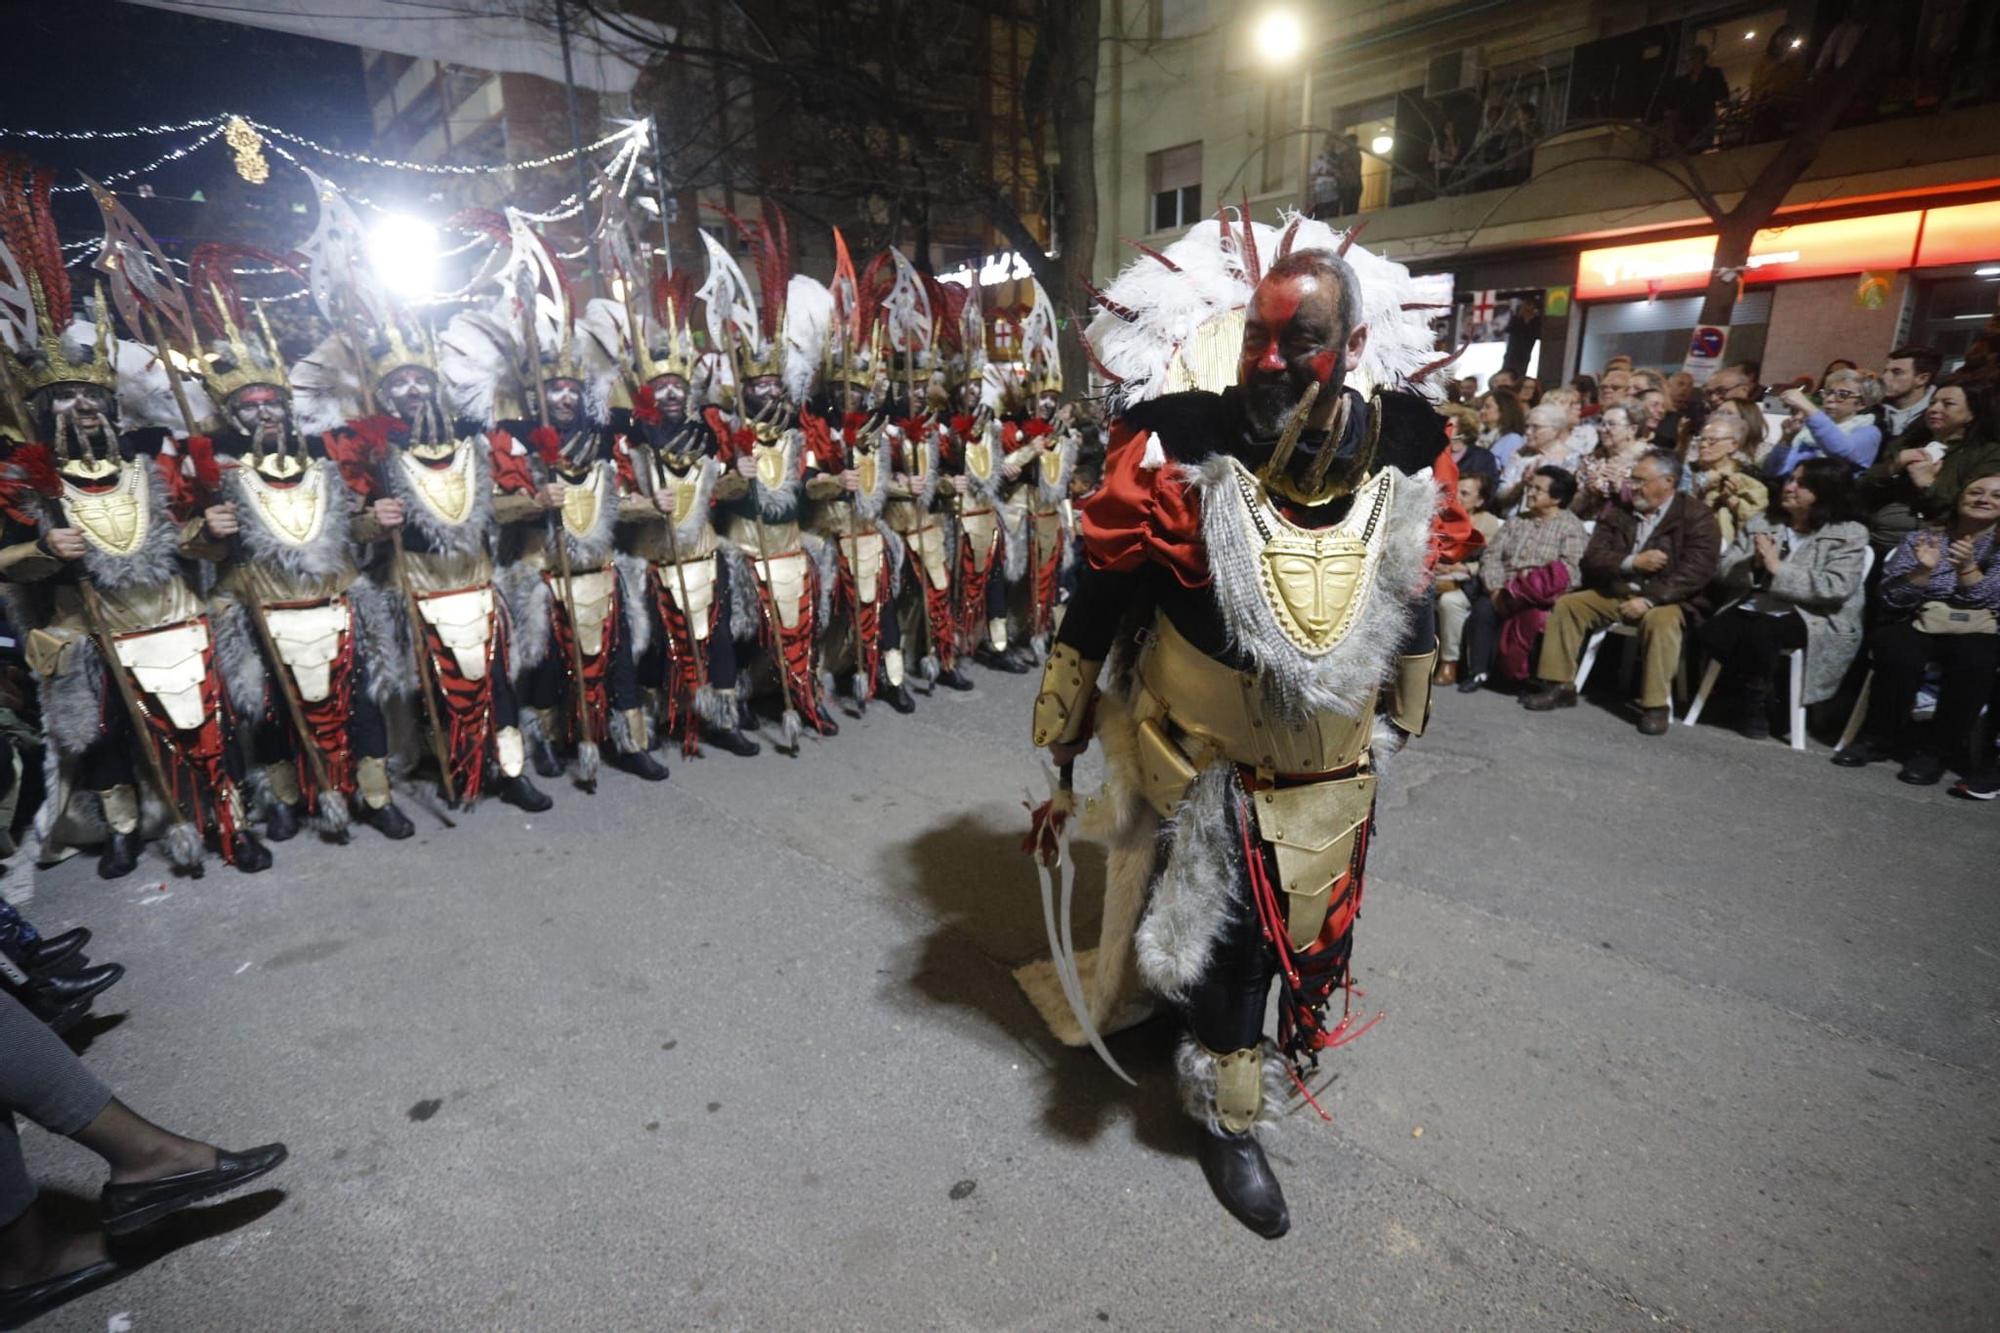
1693	1032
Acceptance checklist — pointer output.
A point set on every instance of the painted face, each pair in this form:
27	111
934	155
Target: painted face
87	407
408	392
565	401
968	397
670	395
259	411
1292	339
761	393
1046	404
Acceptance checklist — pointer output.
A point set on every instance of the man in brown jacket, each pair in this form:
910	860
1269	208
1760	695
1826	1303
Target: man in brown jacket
1648	567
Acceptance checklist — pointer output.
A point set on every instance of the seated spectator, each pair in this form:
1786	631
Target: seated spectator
1582	433
1648	567
1680	392
1475	489
1795	575
1908	377
1586	392
1658	427
1920	475
1503	423
1531	392
1841	425
153	1172
1838	363
1940	591
1604	475
1503	378
1614	386
1547	445
1531	561
1720	475
1729	384
1462	430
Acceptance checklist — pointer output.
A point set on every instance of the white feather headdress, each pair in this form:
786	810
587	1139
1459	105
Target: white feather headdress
808	323
1173	319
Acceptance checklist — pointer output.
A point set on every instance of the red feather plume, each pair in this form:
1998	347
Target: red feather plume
646	406
546	444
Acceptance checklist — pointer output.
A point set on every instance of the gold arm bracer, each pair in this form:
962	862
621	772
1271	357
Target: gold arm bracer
1410	692
1062	709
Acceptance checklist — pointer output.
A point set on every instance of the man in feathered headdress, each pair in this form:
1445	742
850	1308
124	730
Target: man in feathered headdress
309	646
1267	514
1041	453
427	481
98	525
773	339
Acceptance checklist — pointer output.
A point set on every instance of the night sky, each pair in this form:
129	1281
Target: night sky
96	64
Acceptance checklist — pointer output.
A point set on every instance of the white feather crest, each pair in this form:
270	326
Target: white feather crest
327	392
1187	320
145	396
1038	331
730	306
475	354
906	310
602	345
808	323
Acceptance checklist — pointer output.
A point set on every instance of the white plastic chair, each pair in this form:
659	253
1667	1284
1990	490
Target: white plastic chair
1795	660
1630	669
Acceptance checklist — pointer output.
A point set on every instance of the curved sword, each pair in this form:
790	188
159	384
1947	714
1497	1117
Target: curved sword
1062	945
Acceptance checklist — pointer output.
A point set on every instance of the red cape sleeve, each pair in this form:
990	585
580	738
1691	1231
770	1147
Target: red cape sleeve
1141	515
1454	540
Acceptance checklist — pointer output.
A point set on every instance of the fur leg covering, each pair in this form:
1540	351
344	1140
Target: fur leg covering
530	606
239	658
822	554
716	707
1195	894
382	628
745	610
636	592
1195	1070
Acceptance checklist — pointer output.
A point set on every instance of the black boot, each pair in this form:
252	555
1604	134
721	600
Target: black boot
826	726
1755	723
998	659
120	856
251	855
43	955
732	740
954	679
746	717
543	756
1243	1183
388	821
898	697
282	823
640	764
524	795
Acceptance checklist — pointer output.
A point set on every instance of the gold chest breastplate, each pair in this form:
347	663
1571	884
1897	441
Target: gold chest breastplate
869	468
978	458
446	491
584	500
685	487
1052	464
1315	580
113	521
294	514
772	461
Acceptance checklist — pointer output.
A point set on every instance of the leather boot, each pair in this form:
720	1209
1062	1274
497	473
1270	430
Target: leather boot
281	823
898	697
120	856
50	994
541	749
954	679
1243	1182
1548	695
56	950
640	764
251	855
733	740
522	794
388	821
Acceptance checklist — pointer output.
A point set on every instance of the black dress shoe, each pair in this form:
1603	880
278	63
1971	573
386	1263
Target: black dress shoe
21	1305
251	855
1549	695
1923	770
48	953
1472	684
1243	1183
282	823
640	765
997	659
543	756
52	993
524	795
1858	755
128	1207
732	740
899	698
120	856
954	679
388	821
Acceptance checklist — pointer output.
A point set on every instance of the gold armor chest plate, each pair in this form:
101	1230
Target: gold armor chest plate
295	514
771	460
1051	460
445	491
583	500
868	468
978	458
686	489
1315	580
113	521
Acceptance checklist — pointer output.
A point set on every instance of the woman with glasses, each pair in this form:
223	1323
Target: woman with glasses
1719	465
1841	425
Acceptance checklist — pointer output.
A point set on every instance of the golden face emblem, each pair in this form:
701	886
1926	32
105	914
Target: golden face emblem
685	491
113	521
580	502
293	512
1313	582
770	465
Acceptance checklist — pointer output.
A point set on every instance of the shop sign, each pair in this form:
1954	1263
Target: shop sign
1806	250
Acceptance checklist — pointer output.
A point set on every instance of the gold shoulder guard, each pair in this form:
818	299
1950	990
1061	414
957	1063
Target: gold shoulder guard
1063	707
1410	692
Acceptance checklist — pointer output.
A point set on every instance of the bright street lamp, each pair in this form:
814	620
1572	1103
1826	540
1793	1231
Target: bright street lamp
1280	38
1382	145
403	251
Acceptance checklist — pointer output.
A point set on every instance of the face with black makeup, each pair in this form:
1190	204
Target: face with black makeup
967	398
259	412
1294	338
1046	403
670	395
565	399
86	409
408	392
760	393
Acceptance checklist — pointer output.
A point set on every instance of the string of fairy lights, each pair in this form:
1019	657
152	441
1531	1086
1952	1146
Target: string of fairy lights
248	137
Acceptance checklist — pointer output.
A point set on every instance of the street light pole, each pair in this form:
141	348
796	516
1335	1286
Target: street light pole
1305	135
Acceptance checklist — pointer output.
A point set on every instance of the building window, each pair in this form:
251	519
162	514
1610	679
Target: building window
1173	184
1167	19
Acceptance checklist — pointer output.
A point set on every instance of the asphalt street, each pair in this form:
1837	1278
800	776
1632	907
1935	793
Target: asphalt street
1694	1032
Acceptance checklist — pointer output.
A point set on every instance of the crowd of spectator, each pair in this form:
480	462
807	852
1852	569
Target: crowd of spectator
1823	549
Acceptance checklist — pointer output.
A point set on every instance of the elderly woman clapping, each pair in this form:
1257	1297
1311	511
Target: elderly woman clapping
1838	426
1548	444
1719	473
